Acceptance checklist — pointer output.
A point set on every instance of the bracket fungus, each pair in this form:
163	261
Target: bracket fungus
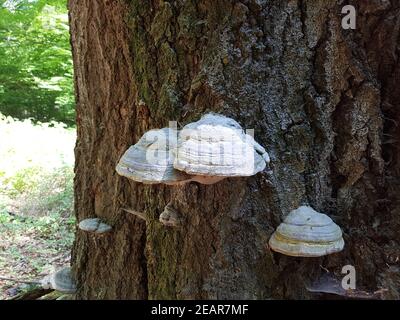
206	151
61	281
328	284
216	146
150	160
307	233
170	217
94	225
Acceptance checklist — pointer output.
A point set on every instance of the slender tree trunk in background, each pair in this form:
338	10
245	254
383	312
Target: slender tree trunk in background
324	101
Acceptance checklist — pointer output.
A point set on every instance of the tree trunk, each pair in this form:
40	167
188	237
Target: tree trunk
323	100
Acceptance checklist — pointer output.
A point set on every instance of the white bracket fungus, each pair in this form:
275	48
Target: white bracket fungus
94	225
150	160
217	146
307	233
61	281
206	151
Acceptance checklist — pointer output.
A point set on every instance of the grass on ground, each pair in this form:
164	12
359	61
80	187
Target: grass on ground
36	200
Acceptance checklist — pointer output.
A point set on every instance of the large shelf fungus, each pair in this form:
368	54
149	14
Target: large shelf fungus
307	233
61	281
94	225
150	160
206	151
216	146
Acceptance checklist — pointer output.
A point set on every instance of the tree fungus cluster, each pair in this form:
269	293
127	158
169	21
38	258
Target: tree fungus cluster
206	152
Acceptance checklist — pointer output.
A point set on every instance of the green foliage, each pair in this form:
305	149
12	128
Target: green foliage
47	227
34	239
35	60
36	198
39	192
36	178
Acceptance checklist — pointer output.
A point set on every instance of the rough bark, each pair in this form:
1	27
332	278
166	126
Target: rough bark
324	101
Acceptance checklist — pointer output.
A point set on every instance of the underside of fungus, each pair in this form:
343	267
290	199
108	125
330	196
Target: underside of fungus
94	225
307	233
61	281
217	146
206	179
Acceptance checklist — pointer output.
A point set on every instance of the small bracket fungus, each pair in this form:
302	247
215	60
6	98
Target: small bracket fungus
61	281
138	214
170	217
216	146
94	225
150	160
328	284
307	233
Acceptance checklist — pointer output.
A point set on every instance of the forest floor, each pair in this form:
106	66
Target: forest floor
36	201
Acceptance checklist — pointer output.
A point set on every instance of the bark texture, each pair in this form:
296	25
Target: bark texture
324	101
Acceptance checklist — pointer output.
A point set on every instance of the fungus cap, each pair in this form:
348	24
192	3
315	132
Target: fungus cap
150	160
94	225
307	233
61	281
217	146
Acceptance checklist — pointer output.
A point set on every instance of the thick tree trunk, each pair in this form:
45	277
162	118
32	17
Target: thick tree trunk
323	100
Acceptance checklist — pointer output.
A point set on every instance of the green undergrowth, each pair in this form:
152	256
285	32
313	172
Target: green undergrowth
36	199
